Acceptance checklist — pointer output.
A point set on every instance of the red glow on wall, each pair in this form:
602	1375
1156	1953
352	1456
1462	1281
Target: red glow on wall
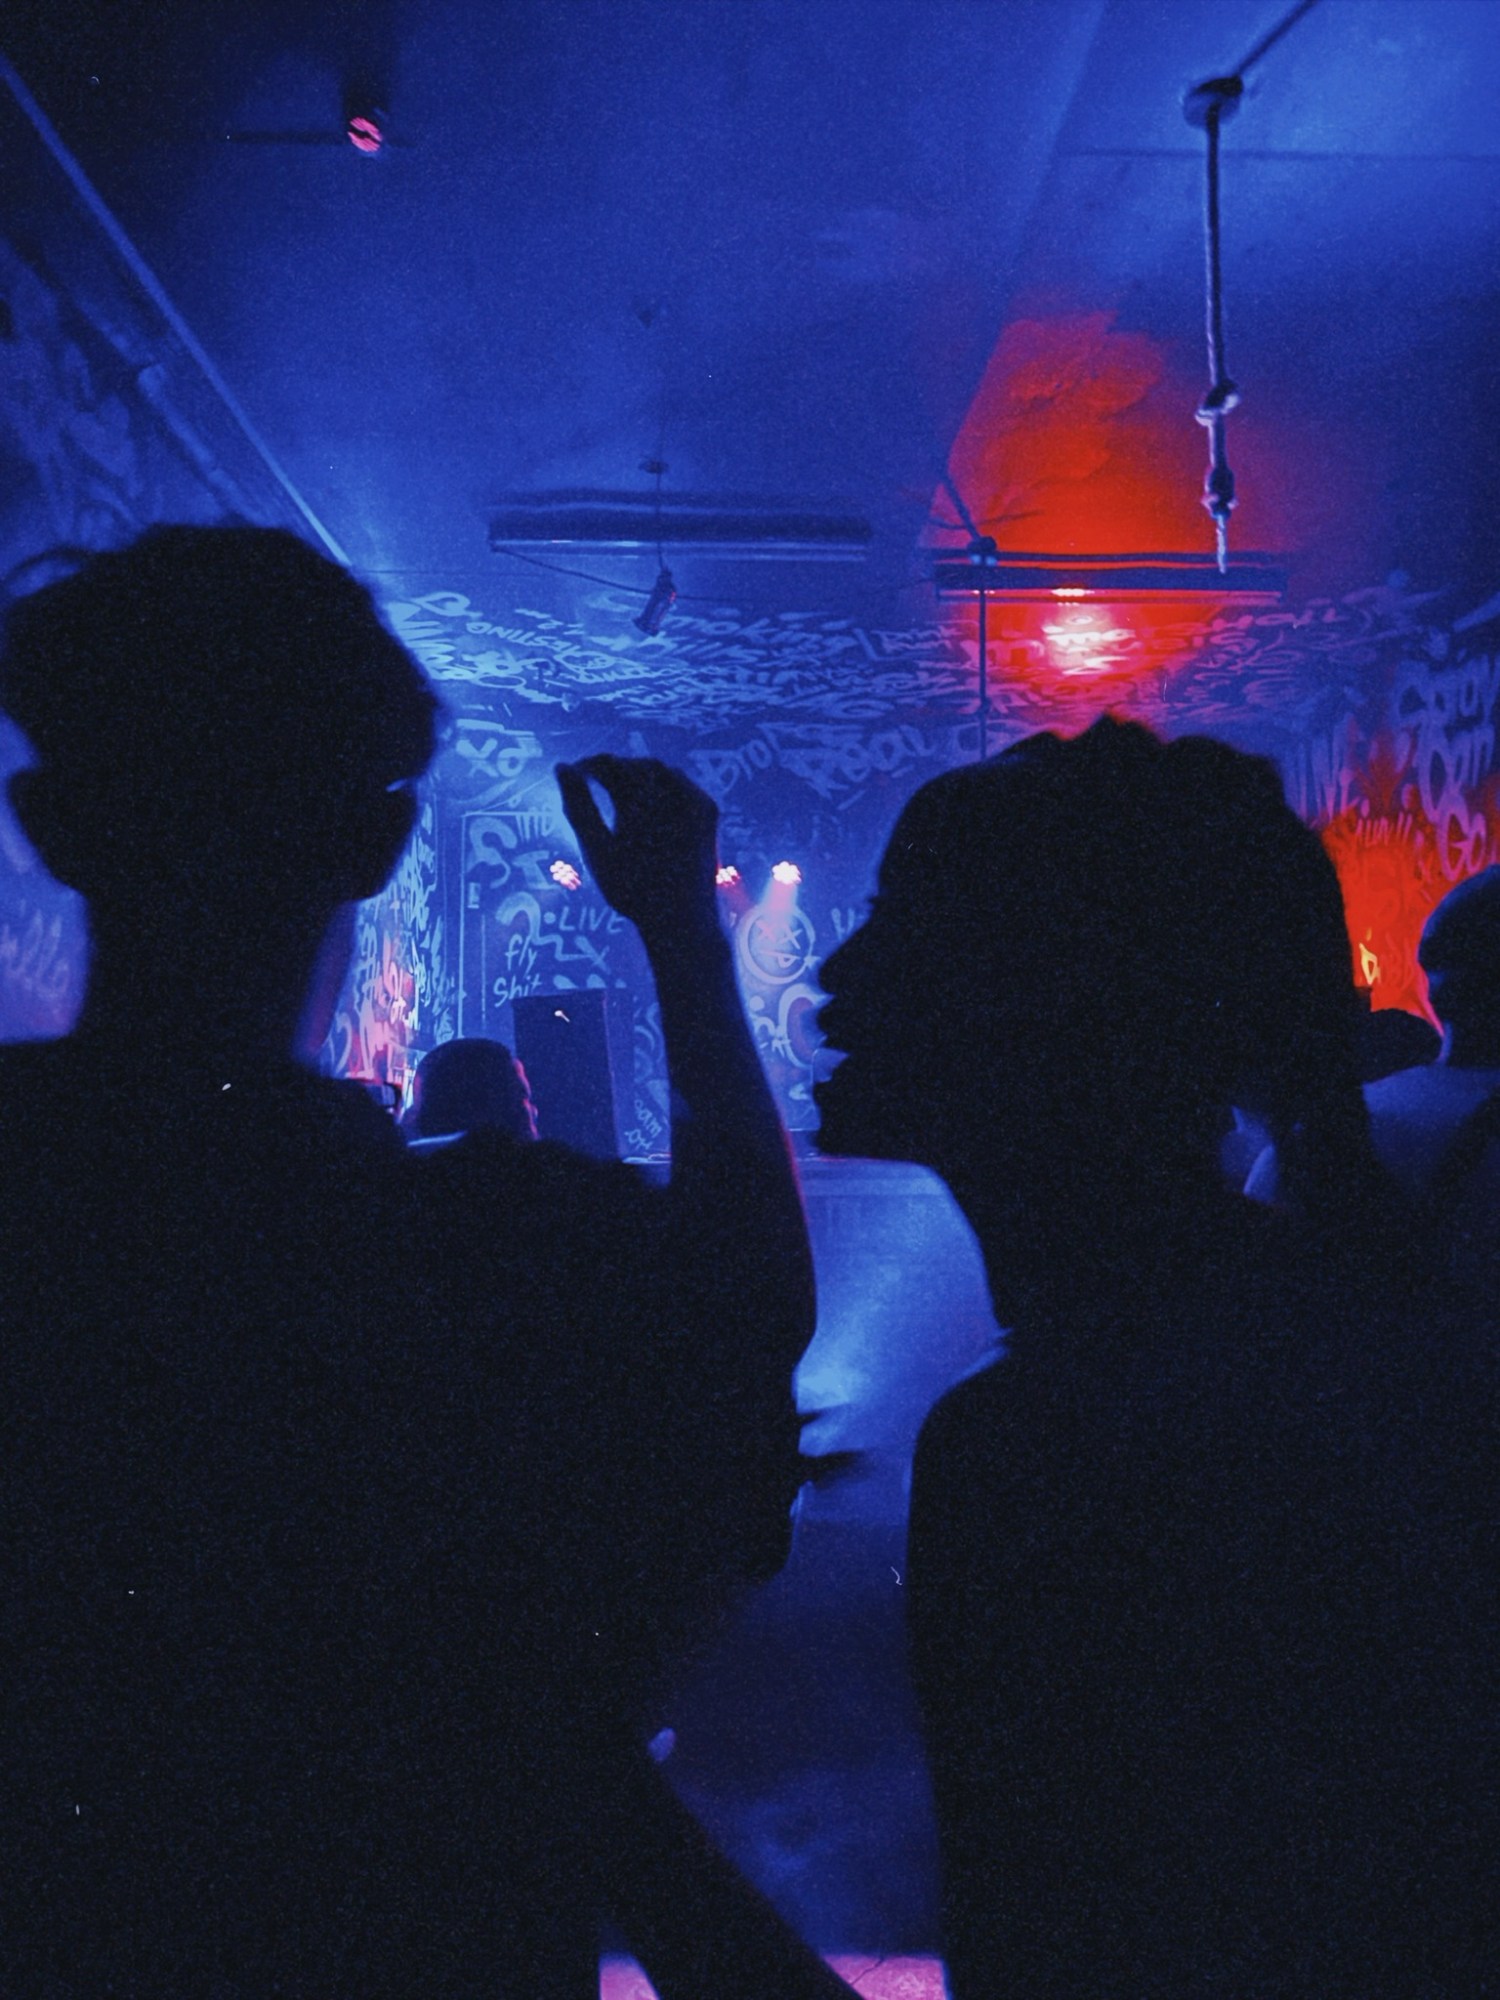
1080	437
1081	440
1386	871
1395	865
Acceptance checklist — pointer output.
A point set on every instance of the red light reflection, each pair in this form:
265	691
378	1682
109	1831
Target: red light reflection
1077	641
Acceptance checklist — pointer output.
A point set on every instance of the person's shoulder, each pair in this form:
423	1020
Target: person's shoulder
32	1065
1432	1089
338	1110
47	1089
488	1157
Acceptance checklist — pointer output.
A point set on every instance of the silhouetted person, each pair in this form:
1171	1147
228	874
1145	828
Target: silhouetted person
349	1493
1200	1576
1437	1129
471	1084
1417	1115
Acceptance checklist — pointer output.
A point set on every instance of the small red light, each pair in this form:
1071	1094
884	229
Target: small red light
566	875
365	132
727	877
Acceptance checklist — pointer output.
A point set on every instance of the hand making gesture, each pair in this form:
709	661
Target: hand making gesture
656	864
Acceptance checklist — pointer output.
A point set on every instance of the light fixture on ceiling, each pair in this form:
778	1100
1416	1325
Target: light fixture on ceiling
663	591
1029	578
1078	644
654	612
366	123
365	130
724	527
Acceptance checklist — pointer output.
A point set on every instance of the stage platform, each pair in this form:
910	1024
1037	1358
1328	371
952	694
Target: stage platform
871	1978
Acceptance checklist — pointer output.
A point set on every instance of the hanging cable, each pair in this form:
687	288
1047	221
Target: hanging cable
664	590
1268	42
982	553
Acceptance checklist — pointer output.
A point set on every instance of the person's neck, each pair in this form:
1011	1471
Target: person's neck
1072	1246
235	999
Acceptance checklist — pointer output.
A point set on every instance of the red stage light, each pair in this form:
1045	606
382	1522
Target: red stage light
727	877
786	871
566	875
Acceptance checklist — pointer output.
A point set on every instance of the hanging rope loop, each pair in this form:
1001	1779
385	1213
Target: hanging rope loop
1207	106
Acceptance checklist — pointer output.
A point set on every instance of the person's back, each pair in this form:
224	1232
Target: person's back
1194	1627
343	1536
207	1566
1417	1114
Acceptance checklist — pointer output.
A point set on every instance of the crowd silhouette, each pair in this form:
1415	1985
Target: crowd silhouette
354	1504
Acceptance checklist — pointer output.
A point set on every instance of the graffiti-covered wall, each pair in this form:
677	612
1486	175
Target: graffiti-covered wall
108	425
810	731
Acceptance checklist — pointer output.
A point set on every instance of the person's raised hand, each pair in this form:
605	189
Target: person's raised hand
656	864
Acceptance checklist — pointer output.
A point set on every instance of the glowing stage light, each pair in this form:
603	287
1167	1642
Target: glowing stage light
727	877
566	875
787	872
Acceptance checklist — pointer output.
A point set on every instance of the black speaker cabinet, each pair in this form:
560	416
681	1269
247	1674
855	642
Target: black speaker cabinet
563	1042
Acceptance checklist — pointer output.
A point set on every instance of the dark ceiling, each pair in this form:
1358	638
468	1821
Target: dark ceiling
809	251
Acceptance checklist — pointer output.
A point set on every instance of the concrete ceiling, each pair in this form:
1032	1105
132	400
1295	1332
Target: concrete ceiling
813	251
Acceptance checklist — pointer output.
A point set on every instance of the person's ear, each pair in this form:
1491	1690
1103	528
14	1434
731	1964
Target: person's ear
39	804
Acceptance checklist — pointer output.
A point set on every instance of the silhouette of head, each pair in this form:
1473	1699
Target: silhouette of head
1460	953
214	709
470	1085
1081	953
